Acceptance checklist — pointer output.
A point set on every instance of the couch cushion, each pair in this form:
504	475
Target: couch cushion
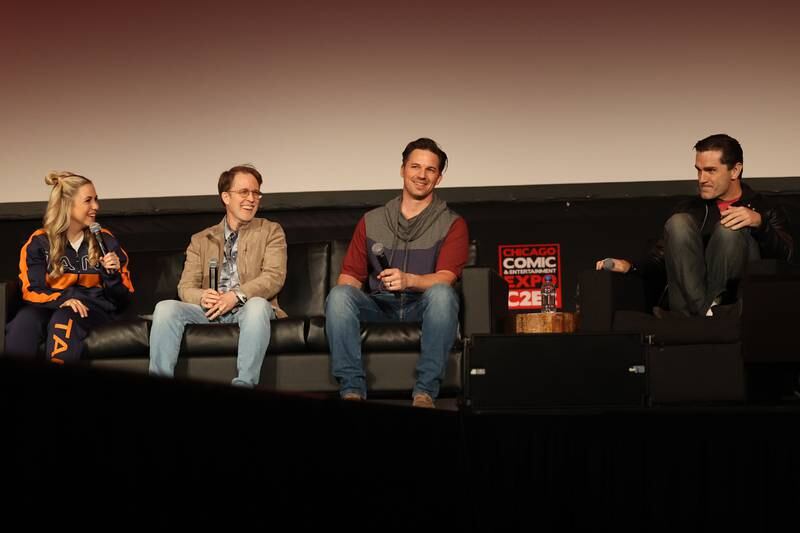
390	336
375	336
118	339
288	335
215	339
306	284
678	330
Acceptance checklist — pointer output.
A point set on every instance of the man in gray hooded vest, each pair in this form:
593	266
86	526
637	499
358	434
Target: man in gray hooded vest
425	247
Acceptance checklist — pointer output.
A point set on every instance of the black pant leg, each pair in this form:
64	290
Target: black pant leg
26	331
684	257
66	332
727	255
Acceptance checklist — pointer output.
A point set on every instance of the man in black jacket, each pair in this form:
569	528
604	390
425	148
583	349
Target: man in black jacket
709	239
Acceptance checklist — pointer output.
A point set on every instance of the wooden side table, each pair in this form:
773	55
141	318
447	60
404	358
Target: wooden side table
545	323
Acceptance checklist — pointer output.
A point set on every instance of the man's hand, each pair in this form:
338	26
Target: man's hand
740	217
77	306
209	298
394	279
620	265
224	303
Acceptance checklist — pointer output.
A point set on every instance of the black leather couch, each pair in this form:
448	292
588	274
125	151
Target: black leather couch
703	358
297	357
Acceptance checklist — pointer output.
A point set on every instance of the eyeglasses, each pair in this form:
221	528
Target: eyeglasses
245	193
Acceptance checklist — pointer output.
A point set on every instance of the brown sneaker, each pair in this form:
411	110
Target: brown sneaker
422	399
352	396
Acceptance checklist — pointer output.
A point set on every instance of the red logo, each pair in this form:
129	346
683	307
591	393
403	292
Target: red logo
524	267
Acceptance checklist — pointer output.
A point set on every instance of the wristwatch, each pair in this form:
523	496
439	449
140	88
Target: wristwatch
241	297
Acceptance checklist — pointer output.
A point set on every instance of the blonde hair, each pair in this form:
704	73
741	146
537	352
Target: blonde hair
57	218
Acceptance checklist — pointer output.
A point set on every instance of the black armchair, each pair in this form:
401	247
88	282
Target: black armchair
702	359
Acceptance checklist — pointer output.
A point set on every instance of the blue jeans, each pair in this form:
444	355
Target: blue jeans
346	307
698	273
171	317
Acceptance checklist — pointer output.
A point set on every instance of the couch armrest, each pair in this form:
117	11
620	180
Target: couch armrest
765	267
602	293
9	304
770	315
485	299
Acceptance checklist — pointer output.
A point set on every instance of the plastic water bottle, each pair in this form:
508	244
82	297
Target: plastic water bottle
548	295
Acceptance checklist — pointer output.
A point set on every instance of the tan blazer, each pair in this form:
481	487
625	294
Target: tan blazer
261	261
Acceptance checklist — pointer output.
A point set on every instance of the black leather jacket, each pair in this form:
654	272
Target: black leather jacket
772	236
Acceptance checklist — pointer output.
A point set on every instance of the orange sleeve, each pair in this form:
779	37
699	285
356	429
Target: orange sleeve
36	286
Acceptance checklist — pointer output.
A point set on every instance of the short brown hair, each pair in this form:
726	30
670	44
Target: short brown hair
226	178
423	143
730	148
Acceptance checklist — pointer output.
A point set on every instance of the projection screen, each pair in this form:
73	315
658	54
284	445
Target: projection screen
154	99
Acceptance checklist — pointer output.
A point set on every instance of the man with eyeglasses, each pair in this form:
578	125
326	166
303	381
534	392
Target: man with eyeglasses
251	257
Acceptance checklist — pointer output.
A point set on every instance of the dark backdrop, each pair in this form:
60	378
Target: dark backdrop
619	220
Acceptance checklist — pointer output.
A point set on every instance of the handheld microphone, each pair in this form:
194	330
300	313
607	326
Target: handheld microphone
378	251
95	229
212	273
608	264
380	255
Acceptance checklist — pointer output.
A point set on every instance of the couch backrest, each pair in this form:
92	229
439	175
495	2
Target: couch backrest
338	251
313	267
307	278
155	276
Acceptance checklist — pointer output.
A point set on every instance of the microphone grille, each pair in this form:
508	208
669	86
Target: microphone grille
377	248
95	228
212	263
608	264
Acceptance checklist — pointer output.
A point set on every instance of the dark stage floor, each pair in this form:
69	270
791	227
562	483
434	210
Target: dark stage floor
81	445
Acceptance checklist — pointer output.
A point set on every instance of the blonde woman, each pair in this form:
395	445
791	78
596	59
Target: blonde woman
68	284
